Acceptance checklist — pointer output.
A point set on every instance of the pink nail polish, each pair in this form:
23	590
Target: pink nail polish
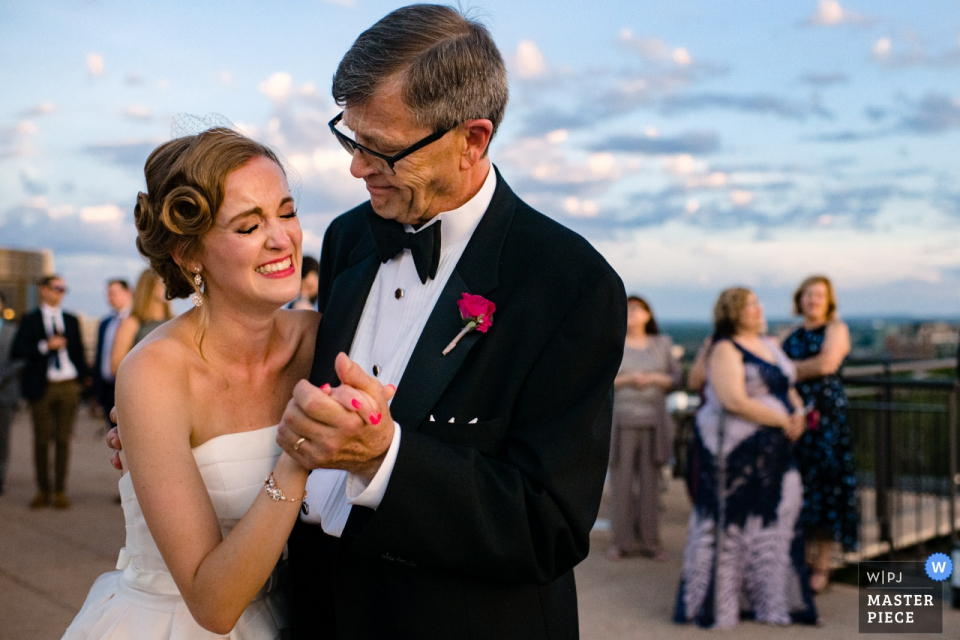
375	418
325	387
356	403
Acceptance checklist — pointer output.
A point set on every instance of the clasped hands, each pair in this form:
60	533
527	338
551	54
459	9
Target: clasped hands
794	424
347	427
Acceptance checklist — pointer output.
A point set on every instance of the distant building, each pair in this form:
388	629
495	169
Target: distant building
922	340
20	271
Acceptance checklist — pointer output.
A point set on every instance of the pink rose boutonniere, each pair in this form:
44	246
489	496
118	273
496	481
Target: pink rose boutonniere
477	313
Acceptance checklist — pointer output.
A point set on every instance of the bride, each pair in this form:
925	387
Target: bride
210	498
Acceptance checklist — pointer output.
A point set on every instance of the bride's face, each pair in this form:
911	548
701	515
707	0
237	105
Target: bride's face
252	254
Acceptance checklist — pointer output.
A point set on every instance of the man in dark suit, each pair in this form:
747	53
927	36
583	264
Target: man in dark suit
9	389
49	340
104	384
467	520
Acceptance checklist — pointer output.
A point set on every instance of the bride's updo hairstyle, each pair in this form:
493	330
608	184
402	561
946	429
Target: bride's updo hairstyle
186	179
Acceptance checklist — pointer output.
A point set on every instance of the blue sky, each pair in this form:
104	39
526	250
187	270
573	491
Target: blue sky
696	144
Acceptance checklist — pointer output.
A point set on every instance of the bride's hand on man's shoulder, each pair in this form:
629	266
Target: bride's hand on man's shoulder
113	441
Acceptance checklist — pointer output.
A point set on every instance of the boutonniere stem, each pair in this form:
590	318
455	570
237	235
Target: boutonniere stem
477	313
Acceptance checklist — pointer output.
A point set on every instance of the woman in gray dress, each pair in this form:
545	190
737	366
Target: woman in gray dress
642	433
150	310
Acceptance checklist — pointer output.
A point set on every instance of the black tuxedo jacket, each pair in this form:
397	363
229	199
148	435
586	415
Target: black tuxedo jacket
102	389
25	345
481	524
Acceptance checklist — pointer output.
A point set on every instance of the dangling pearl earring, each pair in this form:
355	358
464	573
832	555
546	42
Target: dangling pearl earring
197	297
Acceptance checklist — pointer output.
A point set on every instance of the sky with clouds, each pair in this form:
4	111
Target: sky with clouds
696	144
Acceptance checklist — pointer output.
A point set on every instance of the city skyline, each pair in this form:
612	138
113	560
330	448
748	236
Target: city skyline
696	146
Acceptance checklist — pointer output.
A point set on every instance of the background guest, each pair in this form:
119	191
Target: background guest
9	389
150	310
746	491
118	297
824	455
49	340
309	285
642	439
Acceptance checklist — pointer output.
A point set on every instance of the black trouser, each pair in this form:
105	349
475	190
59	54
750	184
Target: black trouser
53	417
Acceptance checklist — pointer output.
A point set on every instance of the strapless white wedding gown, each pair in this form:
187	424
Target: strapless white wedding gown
141	601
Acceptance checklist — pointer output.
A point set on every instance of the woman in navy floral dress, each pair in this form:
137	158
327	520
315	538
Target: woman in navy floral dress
744	552
823	453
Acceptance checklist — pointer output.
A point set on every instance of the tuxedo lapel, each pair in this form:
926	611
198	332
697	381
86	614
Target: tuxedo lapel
348	295
429	372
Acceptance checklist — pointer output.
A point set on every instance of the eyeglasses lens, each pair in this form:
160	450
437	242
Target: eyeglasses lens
351	147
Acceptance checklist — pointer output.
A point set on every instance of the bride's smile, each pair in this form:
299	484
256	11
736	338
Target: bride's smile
281	268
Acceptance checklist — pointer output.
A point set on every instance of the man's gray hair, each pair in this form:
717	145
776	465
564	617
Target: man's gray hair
451	69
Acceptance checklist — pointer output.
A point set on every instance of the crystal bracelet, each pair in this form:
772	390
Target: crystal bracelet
271	489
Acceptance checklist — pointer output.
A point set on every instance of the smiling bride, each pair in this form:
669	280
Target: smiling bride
210	498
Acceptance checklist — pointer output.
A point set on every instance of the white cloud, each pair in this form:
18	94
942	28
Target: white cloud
277	87
26	127
342	3
741	197
680	164
138	112
680	255
101	213
713	180
602	164
830	13
43	109
580	208
225	77
881	48
558	136
682	57
529	61
95	65
655	49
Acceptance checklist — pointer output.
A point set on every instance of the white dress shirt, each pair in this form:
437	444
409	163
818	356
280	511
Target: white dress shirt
109	335
53	325
397	308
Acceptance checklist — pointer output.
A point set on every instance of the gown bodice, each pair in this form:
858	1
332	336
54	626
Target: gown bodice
233	468
141	600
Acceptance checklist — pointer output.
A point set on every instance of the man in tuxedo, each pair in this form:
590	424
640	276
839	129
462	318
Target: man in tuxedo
119	298
467	520
49	340
9	389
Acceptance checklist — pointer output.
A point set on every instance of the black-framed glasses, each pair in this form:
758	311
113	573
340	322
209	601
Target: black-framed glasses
381	162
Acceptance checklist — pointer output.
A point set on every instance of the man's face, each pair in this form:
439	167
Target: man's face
52	293
117	296
427	182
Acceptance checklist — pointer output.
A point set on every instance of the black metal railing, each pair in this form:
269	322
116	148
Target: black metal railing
904	435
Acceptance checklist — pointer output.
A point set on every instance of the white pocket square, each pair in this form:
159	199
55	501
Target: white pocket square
474	421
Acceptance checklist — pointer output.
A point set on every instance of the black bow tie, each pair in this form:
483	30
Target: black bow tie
391	238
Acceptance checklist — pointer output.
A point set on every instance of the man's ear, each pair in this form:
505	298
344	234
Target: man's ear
477	134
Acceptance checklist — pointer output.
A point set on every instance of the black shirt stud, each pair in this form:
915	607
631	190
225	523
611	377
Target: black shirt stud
398	294
376	370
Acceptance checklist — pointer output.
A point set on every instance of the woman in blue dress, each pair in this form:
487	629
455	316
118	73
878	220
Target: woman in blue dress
823	453
744	553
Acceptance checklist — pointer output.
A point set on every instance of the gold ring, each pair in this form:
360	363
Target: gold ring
296	445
